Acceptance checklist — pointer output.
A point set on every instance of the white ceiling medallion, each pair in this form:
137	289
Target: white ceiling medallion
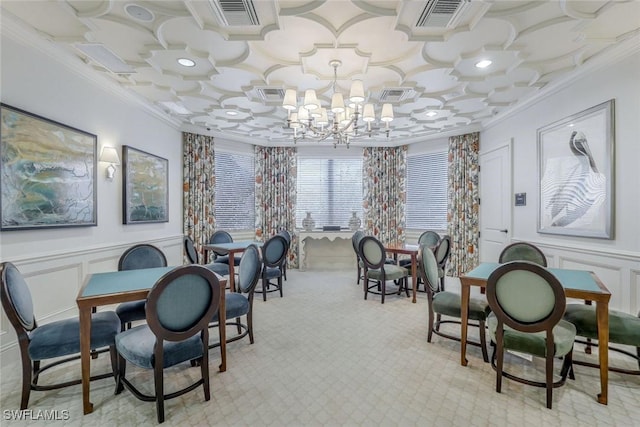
139	13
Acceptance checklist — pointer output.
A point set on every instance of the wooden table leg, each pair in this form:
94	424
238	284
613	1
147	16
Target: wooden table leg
464	317
222	329
602	316
414	276
85	356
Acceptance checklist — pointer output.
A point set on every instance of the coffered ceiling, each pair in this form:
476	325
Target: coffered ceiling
420	56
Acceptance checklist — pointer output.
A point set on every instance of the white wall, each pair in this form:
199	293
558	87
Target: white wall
56	261
617	261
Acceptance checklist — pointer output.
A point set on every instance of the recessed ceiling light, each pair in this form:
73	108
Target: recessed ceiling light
232	113
431	114
483	64
186	62
139	13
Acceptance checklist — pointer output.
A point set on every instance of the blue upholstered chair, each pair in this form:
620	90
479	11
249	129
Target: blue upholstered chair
179	308
522	251
287	236
56	340
377	272
442	252
137	257
221	236
355	242
527	304
192	255
240	303
443	303
274	251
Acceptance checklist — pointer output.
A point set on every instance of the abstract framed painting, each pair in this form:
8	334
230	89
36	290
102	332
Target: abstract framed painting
47	173
145	187
576	174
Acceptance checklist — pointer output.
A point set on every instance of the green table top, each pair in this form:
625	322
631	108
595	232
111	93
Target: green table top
233	245
123	281
569	279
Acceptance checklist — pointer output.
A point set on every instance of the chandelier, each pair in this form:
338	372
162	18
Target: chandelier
342	122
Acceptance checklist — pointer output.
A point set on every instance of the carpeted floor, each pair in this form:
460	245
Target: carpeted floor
325	357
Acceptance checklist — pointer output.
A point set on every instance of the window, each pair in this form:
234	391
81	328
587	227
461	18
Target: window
331	189
235	191
427	191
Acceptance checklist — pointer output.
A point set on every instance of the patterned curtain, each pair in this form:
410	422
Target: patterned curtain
384	182
463	203
276	194
198	184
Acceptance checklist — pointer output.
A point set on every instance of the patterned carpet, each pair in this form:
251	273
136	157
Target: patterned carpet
325	357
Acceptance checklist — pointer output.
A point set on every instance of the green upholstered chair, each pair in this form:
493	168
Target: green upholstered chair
377	272
624	330
274	251
179	308
137	257
527	304
442	252
221	236
59	340
522	251
240	303
192	255
429	238
355	242
287	236
443	303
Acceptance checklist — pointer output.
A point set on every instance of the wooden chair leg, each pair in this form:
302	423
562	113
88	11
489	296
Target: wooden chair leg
483	341
122	367
159	386
27	370
250	326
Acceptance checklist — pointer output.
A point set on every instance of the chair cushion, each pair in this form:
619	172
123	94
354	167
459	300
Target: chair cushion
219	268
136	346
564	333
236	305
405	262
62	338
272	272
624	328
131	311
392	272
448	303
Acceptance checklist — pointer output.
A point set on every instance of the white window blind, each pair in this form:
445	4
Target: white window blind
235	191
331	189
427	191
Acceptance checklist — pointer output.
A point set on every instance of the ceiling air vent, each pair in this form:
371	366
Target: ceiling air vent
103	56
271	94
235	12
442	13
394	94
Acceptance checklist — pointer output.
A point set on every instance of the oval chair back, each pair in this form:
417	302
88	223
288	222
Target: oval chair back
287	236
428	268
522	251
190	250
142	256
249	270
274	253
429	238
372	252
220	236
355	242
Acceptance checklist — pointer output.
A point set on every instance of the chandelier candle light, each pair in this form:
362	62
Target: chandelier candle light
311	120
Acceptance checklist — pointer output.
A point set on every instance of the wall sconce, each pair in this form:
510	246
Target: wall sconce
110	155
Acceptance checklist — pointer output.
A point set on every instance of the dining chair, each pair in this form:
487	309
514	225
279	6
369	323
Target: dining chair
527	305
57	342
222	236
429	238
442	251
274	251
192	255
240	303
287	236
444	303
179	308
355	242
522	251
377	272
624	330
137	257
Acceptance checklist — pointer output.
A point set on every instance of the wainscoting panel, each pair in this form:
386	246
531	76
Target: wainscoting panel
55	280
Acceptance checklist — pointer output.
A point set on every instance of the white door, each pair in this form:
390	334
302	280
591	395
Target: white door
495	202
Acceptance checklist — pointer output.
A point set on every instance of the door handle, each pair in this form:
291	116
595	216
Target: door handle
504	231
